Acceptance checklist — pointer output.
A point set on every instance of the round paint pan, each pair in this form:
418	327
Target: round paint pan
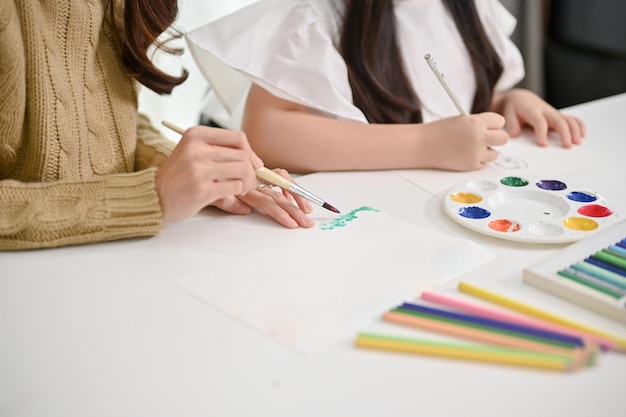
529	209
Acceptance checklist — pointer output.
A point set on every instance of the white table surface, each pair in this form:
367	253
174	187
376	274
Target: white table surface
100	330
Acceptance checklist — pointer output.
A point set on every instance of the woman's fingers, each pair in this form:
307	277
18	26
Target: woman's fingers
217	167
207	165
224	138
275	205
233	205
304	204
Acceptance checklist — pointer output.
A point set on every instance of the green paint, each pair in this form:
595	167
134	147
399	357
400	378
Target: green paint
514	181
343	220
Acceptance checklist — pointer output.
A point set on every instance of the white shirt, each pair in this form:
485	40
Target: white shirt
288	47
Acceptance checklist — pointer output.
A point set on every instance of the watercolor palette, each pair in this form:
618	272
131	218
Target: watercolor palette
528	209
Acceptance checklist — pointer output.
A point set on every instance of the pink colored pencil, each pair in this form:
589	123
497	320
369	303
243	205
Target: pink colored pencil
492	313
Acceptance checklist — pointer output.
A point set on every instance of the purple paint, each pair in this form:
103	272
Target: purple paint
551	185
474	212
581	197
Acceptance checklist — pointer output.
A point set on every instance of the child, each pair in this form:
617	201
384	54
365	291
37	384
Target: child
343	84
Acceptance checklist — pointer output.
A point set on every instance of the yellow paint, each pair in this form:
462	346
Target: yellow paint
580	223
466	198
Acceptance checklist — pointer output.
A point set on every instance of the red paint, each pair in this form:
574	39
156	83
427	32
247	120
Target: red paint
594	210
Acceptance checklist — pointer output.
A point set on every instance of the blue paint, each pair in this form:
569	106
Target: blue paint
581	197
474	212
551	185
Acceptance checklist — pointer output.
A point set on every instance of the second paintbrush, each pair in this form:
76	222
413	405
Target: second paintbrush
269	176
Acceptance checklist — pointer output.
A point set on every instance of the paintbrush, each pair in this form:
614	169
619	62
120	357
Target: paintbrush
444	83
433	66
269	176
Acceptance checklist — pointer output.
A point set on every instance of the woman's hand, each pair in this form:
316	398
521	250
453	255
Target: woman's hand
208	165
462	143
523	107
287	209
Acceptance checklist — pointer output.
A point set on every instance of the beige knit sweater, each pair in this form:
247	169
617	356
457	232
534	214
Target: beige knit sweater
76	160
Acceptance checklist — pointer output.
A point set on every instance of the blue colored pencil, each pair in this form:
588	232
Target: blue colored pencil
617	251
497	324
594	260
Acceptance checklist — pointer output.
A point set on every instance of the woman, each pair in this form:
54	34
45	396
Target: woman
78	164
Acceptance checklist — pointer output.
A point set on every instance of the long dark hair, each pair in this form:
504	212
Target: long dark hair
143	22
380	86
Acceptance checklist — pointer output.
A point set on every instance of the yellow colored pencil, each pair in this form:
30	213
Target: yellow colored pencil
620	343
480	353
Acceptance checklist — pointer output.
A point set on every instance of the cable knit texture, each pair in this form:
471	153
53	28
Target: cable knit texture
77	163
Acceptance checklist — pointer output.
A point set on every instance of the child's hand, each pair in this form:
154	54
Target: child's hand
522	107
463	143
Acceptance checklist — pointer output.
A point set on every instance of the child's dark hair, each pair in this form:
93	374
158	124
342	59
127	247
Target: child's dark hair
140	26
376	71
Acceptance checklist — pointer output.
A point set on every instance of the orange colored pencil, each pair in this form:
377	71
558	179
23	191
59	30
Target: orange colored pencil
580	357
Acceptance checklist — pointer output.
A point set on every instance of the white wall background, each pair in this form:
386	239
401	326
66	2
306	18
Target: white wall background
182	107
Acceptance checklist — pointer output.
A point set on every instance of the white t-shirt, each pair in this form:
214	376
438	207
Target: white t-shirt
288	47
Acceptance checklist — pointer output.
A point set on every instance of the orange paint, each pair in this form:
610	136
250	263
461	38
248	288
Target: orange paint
504	225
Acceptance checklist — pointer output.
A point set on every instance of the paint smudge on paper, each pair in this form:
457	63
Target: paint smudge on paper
343	220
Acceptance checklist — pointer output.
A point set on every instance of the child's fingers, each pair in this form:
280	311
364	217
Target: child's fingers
512	124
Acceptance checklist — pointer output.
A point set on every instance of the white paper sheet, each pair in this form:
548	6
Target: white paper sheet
311	288
518	157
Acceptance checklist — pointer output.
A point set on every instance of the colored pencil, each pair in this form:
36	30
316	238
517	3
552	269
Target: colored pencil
580	357
617	251
514	318
497	325
620	343
273	178
600	273
605	264
612	258
593	282
470	352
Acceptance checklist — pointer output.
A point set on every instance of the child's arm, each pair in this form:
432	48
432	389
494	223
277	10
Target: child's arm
291	136
522	107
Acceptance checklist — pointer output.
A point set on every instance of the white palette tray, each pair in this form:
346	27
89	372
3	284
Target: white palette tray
529	209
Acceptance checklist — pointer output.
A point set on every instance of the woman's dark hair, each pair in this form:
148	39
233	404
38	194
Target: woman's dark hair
380	86
143	22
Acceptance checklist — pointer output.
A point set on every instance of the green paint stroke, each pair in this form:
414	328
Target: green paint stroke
344	219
